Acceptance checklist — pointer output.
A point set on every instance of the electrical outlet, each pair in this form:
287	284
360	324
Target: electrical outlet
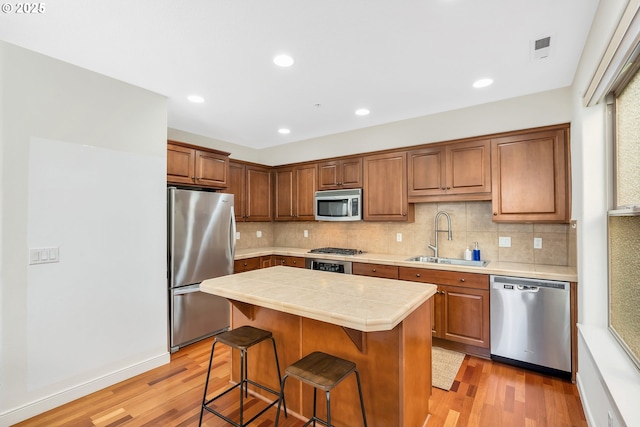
399	237
258	234
504	242
306	233
237	235
537	243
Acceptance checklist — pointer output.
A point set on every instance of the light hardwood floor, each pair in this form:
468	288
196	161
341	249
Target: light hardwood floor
484	393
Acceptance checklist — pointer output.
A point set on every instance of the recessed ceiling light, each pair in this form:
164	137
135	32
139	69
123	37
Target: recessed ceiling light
196	98
284	131
283	61
362	112
483	83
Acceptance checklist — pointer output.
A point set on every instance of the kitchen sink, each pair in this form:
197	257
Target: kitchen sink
451	261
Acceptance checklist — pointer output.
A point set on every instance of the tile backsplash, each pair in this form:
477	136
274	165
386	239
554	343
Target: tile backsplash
470	222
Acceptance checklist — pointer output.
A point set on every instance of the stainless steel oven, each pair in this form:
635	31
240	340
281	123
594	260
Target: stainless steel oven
329	265
336	266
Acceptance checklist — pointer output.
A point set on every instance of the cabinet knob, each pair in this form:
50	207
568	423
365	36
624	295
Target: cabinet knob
462	280
495	214
373	269
442	292
294	261
417	274
245	264
448	188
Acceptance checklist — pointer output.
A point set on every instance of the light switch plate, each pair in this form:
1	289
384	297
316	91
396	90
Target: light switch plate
259	234
44	255
306	233
399	237
504	242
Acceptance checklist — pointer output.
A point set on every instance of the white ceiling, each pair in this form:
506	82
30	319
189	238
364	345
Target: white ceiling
400	59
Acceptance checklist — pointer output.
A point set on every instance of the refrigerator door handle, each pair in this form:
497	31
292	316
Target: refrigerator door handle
186	289
232	235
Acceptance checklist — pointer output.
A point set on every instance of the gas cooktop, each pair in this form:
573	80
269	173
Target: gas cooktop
336	251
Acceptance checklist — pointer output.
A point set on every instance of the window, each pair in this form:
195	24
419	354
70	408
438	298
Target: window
624	218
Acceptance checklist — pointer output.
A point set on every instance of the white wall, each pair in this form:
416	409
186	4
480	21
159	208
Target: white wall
83	168
540	109
607	380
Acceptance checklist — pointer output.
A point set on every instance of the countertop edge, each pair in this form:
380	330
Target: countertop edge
534	271
365	324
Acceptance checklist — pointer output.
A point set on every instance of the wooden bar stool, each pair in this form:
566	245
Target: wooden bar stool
321	371
242	338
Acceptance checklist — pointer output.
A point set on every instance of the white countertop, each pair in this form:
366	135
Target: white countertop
535	271
367	304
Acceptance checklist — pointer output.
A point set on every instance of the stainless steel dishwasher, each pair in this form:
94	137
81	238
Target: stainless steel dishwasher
530	324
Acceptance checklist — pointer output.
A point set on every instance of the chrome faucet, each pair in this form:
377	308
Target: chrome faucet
434	248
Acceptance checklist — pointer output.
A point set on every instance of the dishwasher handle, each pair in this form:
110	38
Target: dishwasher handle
524	288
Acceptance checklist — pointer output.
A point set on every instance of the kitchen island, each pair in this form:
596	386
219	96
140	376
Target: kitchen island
382	325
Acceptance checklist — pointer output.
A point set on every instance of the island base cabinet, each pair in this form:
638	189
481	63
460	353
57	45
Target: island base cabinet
394	366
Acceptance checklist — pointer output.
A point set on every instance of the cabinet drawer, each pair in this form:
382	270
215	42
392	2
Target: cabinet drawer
246	264
440	277
375	270
289	261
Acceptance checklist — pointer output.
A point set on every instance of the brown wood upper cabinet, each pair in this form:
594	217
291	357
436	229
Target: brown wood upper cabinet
295	189
451	171
385	188
340	173
251	186
531	176
197	166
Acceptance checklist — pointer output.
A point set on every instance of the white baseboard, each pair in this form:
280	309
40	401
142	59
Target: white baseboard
37	407
585	402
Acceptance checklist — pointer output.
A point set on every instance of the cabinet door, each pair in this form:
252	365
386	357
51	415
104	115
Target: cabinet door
338	174
351	173
531	177
180	164
285	194
465	315
454	171
236	187
258	194
468	168
305	189
266	261
426	171
211	169
328	175
385	188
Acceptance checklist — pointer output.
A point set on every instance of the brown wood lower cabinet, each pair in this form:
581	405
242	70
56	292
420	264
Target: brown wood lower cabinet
289	261
247	264
375	270
460	307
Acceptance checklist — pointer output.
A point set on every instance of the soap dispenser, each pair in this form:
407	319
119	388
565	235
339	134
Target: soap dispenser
467	254
476	253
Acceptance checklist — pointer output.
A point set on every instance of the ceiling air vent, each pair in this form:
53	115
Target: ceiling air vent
540	48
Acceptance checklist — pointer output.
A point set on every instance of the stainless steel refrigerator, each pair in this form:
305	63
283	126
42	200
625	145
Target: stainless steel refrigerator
200	245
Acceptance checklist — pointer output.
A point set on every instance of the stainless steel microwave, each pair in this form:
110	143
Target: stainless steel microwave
338	205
